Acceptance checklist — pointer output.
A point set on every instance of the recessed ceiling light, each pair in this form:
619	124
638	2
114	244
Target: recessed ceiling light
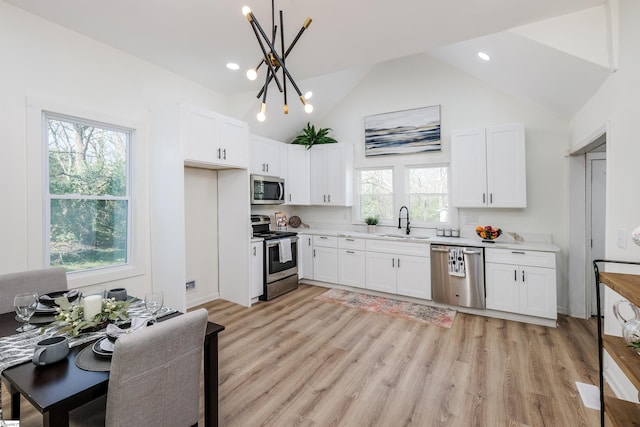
484	56
233	66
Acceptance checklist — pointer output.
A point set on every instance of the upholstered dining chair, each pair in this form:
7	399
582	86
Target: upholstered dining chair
40	281
155	376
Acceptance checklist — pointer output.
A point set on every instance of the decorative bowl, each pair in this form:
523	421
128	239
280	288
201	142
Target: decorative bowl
488	232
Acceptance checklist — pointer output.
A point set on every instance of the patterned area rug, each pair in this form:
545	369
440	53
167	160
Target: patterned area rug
442	317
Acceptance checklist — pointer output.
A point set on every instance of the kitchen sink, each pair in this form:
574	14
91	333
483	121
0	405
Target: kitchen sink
403	236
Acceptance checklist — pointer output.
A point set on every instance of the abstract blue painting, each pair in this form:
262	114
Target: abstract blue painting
403	132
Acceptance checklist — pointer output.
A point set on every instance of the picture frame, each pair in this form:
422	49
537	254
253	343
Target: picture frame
403	132
281	220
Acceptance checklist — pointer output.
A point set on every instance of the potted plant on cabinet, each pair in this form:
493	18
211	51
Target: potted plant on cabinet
310	137
371	221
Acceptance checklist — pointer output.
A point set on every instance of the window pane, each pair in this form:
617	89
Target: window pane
376	193
88	233
87	160
428	194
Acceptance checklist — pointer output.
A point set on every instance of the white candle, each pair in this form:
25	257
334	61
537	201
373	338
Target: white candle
92	306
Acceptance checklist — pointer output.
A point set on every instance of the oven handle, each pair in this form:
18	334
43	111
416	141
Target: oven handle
276	242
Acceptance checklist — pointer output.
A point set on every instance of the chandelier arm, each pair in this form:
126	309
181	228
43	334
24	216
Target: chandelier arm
284	77
293	43
256	27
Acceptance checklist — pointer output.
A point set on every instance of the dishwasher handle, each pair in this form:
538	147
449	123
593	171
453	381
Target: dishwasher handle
466	251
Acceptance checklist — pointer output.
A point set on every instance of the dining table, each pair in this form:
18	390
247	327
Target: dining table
58	388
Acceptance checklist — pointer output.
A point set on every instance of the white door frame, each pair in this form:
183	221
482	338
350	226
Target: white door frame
590	276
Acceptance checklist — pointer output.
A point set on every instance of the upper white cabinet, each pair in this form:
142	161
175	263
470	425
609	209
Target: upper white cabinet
297	179
488	167
267	156
213	139
332	175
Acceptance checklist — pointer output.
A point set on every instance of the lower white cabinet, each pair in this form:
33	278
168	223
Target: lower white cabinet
325	259
522	282
257	265
399	268
305	256
351	262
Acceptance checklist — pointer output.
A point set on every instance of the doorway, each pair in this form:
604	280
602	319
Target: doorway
596	178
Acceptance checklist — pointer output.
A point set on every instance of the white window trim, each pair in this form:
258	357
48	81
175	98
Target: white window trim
37	194
400	179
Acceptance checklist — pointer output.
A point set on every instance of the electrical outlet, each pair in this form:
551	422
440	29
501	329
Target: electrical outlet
191	285
622	238
470	220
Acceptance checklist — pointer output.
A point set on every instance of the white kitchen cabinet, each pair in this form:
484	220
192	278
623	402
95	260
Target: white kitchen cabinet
522	282
257	263
488	167
331	177
305	256
213	139
351	262
399	268
298	175
325	259
266	156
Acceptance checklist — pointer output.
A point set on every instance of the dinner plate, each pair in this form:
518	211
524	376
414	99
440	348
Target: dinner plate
41	308
41	319
47	299
97	348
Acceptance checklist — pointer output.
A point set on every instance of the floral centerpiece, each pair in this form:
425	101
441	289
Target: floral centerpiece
71	316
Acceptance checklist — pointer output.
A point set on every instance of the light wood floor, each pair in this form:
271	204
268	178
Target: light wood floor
296	361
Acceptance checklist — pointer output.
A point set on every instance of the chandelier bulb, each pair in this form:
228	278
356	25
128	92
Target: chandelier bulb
308	108
252	74
261	116
246	10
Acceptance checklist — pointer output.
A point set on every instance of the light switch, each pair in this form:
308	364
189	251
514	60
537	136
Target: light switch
622	238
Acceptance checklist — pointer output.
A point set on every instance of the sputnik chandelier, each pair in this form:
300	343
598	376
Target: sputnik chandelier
274	60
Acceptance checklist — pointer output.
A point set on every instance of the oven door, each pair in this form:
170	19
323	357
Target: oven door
274	269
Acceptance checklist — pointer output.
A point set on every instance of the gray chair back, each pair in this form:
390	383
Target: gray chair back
155	374
40	281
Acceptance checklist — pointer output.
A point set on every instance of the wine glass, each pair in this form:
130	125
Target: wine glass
25	305
153	301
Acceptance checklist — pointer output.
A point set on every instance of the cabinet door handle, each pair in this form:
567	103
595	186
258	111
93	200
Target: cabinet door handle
263	168
289	196
324	198
350	252
224	152
518	252
309	240
515	275
349	240
219	153
314	253
329	198
491	198
323	237
267	167
523	275
393	262
398	262
254	251
484	200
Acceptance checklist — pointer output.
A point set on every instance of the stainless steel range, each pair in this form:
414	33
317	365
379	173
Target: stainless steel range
280	271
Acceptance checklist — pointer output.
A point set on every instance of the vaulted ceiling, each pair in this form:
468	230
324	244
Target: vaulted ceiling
196	38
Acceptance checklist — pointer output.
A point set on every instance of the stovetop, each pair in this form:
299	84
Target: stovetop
270	235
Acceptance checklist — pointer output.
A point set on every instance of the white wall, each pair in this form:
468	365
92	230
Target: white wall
419	81
44	61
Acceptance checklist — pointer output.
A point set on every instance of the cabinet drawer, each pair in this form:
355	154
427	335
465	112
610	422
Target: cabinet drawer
351	243
400	248
325	241
518	257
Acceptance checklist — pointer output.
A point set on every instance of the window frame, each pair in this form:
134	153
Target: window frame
401	195
47	115
37	202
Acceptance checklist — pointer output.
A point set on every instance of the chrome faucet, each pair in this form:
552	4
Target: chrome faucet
400	219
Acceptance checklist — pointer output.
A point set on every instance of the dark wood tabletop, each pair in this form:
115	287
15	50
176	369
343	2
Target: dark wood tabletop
56	389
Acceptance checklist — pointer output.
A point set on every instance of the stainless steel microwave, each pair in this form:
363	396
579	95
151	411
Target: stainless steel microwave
267	190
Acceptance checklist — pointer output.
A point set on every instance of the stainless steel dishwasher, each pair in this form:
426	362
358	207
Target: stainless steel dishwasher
457	275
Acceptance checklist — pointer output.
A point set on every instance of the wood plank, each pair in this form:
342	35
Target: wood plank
627	285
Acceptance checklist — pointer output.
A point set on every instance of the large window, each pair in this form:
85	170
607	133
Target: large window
423	189
376	193
89	205
428	194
